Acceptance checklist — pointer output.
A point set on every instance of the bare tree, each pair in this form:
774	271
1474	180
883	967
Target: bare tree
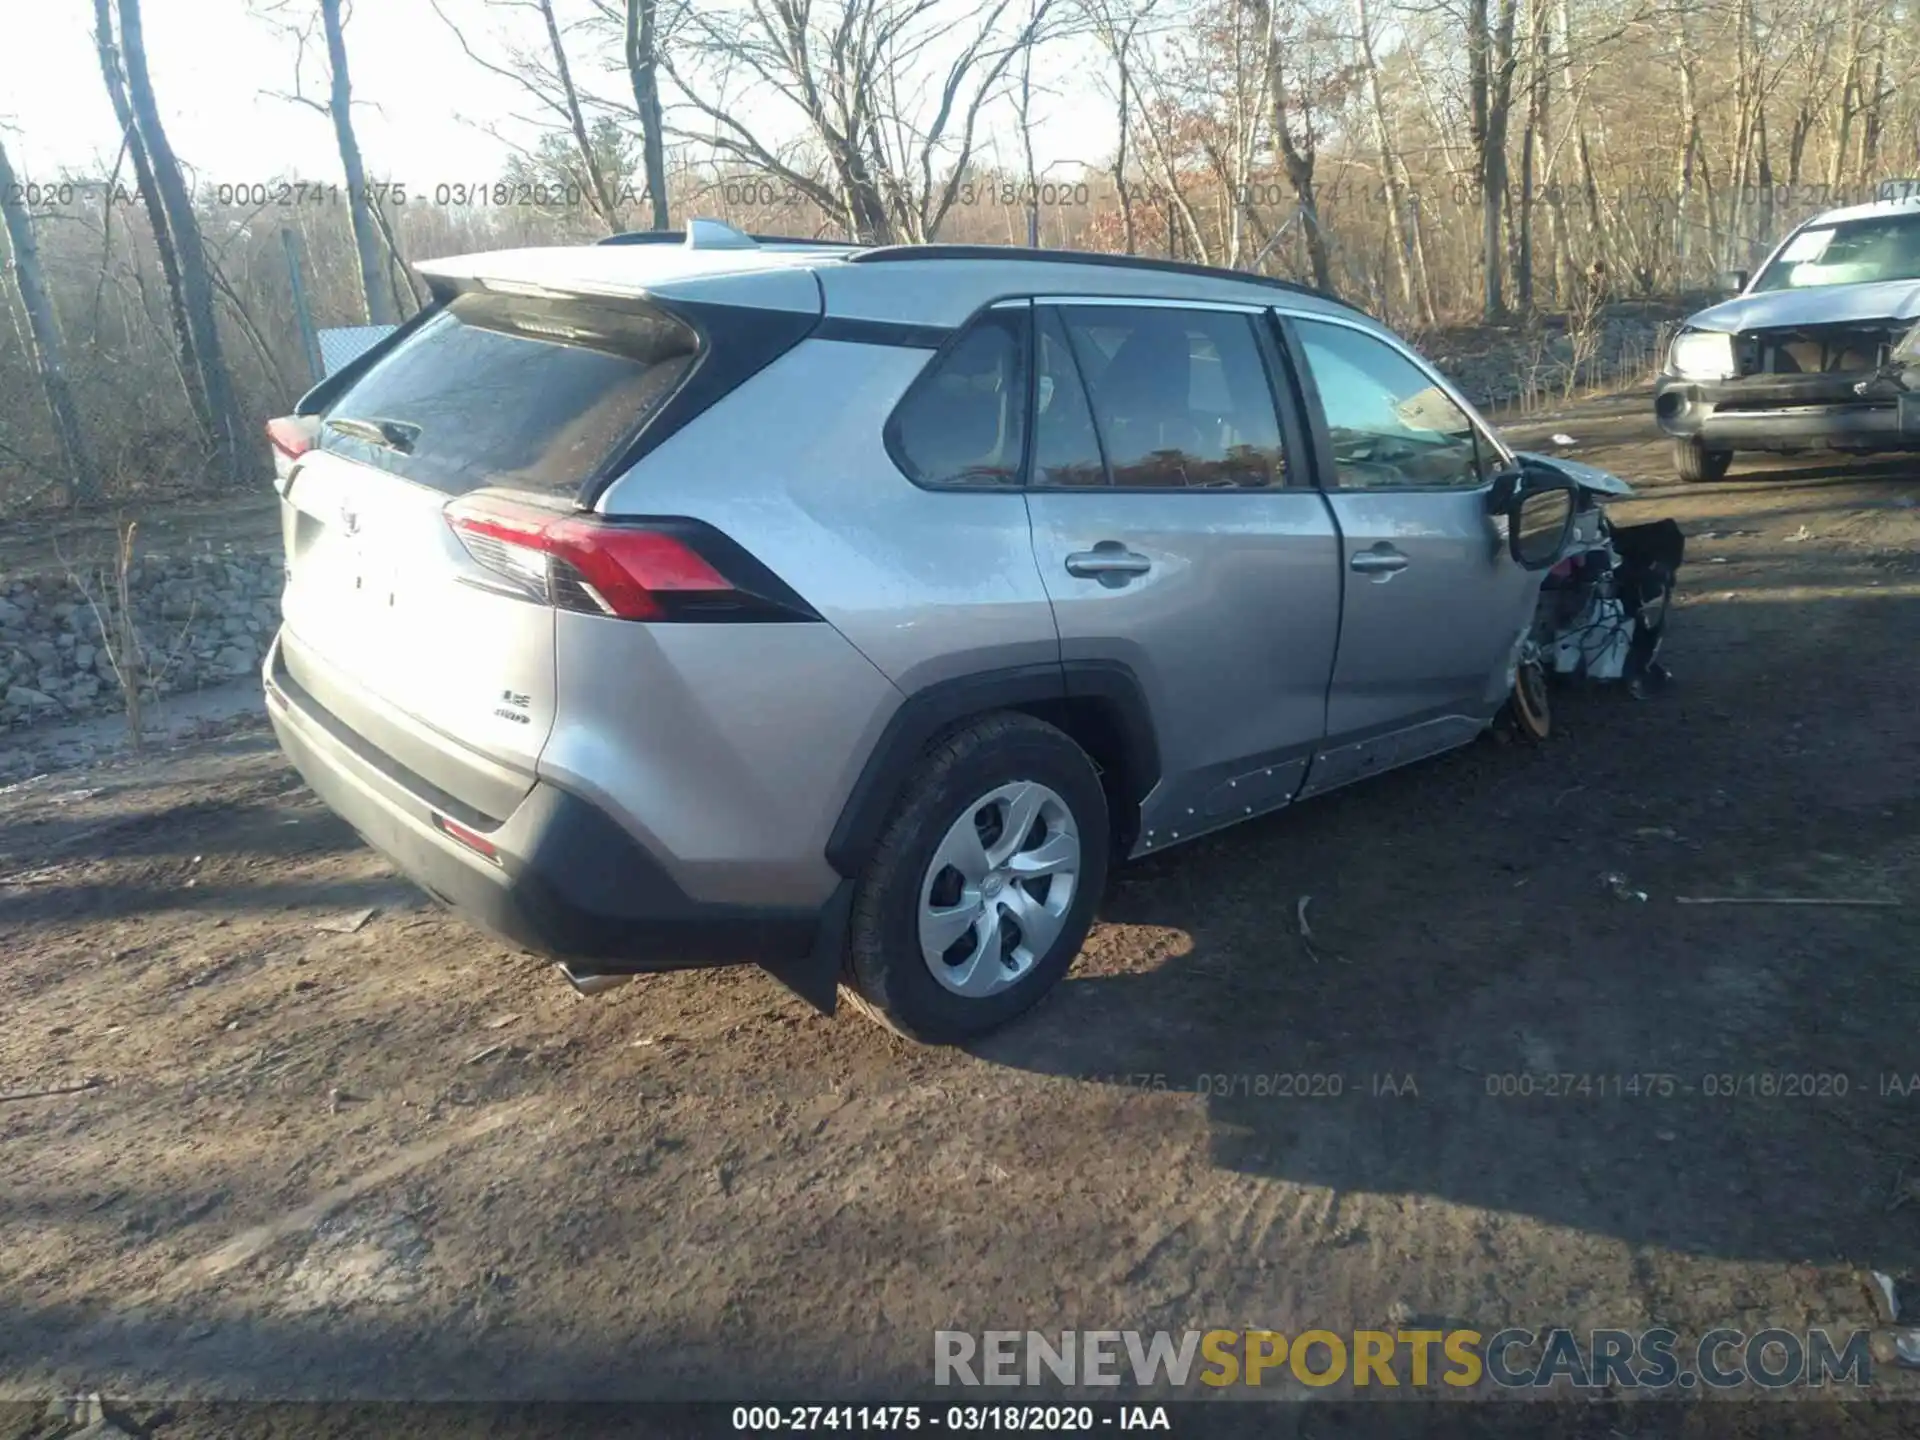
597	177
43	333
1403	214
1490	65
196	285
548	80
892	133
642	53
1115	25
332	15
366	244
1023	110
188	363
1293	134
1510	150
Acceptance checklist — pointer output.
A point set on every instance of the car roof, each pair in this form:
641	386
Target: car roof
944	284
939	285
1872	211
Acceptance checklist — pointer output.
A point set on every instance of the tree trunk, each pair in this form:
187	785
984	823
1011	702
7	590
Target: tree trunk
600	192
865	208
1559	86
643	70
1523	227
1024	111
1590	194
1873	117
1297	154
1689	150
1319	260
150	201
43	329
1490	62
229	431
1129	239
366	242
1797	143
1532	140
1764	237
1748	104
1181	221
1390	174
1849	101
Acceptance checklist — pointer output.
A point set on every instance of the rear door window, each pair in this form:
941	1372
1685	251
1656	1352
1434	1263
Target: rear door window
1181	398
525	394
1066	447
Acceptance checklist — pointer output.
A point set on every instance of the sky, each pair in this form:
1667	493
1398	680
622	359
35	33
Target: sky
422	108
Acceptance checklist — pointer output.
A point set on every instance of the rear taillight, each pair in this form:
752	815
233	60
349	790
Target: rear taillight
654	569
291	435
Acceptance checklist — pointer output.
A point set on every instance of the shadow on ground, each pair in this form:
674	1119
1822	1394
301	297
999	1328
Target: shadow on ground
1478	1019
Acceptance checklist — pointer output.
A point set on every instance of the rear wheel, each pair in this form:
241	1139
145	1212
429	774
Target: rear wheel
983	885
1693	462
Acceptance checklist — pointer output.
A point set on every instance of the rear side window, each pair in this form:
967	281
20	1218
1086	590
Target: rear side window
533	395
963	421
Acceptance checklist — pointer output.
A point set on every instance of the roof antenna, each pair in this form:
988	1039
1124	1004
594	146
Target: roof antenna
717	235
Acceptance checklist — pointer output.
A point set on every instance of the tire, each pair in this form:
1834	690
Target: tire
1529	705
1693	462
1000	773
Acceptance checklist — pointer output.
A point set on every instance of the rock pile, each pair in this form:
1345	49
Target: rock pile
202	620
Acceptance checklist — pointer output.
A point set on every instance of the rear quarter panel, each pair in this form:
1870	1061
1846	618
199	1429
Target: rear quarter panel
733	747
727	749
927	585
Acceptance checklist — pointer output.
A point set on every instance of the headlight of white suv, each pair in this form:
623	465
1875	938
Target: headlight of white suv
1703	355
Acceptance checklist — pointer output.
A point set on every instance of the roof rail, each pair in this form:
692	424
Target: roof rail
679	237
884	253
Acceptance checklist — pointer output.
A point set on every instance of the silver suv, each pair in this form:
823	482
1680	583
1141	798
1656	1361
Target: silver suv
850	611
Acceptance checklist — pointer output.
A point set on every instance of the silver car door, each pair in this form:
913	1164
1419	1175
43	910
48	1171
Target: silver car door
1177	535
1434	604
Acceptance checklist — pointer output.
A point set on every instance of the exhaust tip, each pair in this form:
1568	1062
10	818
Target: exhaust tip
590	984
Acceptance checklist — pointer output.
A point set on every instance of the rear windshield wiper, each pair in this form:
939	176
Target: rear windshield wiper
388	434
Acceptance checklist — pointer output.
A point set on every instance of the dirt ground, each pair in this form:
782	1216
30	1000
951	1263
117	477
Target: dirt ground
399	1160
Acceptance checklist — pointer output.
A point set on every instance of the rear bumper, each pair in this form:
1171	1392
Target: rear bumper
566	880
1781	412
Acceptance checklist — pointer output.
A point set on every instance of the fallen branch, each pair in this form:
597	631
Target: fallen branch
1772	900
94	1084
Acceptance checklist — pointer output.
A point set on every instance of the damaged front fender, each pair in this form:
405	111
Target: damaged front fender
1603	607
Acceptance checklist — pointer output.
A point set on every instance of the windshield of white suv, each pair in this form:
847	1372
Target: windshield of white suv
1858	252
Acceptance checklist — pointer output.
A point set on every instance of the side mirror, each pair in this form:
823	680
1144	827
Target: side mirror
1732	282
1506	484
1539	522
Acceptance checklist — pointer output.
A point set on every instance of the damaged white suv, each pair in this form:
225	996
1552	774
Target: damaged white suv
1818	350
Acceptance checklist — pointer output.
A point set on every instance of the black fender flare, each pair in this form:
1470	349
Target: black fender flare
1050	691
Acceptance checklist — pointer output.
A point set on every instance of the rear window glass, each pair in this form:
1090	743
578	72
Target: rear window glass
526	394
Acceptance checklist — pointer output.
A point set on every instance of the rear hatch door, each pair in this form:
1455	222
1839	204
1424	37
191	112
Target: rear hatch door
390	622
